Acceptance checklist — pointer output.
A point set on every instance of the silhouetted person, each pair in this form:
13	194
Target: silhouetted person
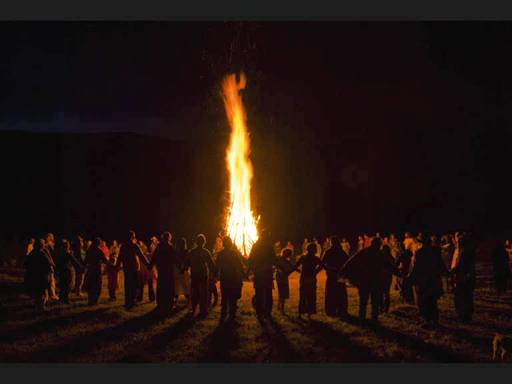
164	257
130	257
464	272
38	269
385	280
336	304
403	262
182	278
500	260
366	240
305	246
393	245
94	258
345	245
326	245
78	251
283	270
261	260
30	246
427	270
50	249
360	244
143	277
200	261
311	265
447	251
112	271
363	270
231	273
67	264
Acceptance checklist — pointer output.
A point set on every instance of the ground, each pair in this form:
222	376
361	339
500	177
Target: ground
107	333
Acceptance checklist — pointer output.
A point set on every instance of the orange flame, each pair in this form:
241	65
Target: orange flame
241	225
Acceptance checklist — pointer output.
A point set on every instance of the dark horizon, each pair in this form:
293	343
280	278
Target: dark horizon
355	126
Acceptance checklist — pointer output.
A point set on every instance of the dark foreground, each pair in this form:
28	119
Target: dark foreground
107	333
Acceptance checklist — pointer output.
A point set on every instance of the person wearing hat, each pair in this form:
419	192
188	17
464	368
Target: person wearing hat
426	272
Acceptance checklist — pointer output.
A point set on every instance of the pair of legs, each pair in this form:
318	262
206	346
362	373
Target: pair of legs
130	289
307	296
65	286
228	303
212	292
199	292
365	293
40	299
79	282
164	293
336	302
151	290
428	309
464	300
263	300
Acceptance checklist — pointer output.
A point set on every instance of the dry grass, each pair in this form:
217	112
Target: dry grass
108	333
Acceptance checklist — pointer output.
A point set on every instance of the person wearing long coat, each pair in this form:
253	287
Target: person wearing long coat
38	270
130	257
426	272
94	259
67	264
164	257
231	273
336	302
283	269
261	260
501	266
464	272
363	271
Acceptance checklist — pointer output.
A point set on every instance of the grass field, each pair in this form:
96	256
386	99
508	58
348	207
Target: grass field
107	333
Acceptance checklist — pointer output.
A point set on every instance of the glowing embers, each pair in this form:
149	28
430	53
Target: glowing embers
241	224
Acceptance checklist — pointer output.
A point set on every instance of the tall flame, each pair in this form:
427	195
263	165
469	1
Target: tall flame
241	225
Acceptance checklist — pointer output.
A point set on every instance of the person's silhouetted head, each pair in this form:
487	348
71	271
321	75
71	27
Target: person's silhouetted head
182	243
265	235
65	246
130	237
311	249
376	242
227	243
335	241
97	242
200	240
166	237
359	238
287	253
39	244
31	241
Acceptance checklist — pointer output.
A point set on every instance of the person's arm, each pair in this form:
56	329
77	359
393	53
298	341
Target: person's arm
154	258
141	255
75	262
186	262
209	262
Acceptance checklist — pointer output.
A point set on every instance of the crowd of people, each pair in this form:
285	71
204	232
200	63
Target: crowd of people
419	264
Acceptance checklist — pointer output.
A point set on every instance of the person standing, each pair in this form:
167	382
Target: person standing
50	249
38	269
30	246
67	267
261	259
93	260
231	272
336	302
326	245
366	241
345	245
130	257
277	248
200	261
447	251
500	260
283	270
112	271
152	273
143	276
360	244
392	242
305	246
78	251
164	257
182	278
386	279
363	270
311	265
464	271
318	247
427	269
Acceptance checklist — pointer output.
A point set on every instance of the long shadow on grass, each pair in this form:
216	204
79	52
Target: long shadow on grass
339	348
280	346
47	325
436	353
221	343
83	344
158	343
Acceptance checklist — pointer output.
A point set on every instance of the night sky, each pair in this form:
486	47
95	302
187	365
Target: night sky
355	126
